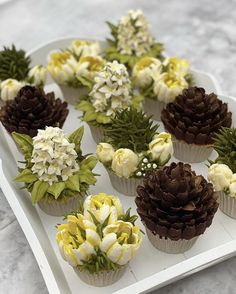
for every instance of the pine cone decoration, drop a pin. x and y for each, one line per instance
(176, 203)
(31, 110)
(195, 116)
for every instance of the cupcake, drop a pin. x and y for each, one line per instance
(132, 40)
(222, 171)
(73, 69)
(99, 240)
(55, 173)
(132, 148)
(175, 206)
(15, 72)
(160, 82)
(33, 109)
(193, 119)
(111, 91)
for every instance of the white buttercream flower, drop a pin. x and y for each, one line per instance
(85, 48)
(62, 66)
(180, 67)
(112, 88)
(9, 89)
(121, 241)
(101, 206)
(53, 156)
(220, 175)
(125, 162)
(167, 86)
(38, 75)
(77, 239)
(146, 70)
(88, 66)
(105, 152)
(161, 147)
(133, 34)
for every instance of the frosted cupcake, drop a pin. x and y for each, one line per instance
(132, 149)
(82, 48)
(132, 40)
(73, 71)
(55, 172)
(222, 171)
(99, 240)
(193, 119)
(160, 82)
(111, 91)
(176, 206)
(16, 72)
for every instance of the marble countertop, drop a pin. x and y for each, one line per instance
(202, 31)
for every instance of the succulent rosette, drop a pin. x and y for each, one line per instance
(56, 173)
(111, 91)
(99, 240)
(160, 82)
(194, 118)
(222, 171)
(176, 206)
(133, 148)
(132, 40)
(15, 72)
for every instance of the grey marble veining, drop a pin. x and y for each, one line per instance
(203, 31)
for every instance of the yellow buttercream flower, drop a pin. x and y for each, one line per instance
(161, 147)
(88, 66)
(180, 67)
(85, 48)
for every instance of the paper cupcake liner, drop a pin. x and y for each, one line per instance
(168, 245)
(72, 95)
(227, 204)
(101, 279)
(125, 186)
(153, 107)
(97, 133)
(60, 207)
(191, 153)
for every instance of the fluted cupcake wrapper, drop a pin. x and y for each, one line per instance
(101, 279)
(61, 207)
(227, 204)
(191, 153)
(125, 186)
(97, 133)
(153, 107)
(168, 245)
(73, 95)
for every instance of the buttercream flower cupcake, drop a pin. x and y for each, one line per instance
(99, 240)
(132, 40)
(83, 48)
(111, 91)
(159, 82)
(132, 148)
(15, 72)
(222, 171)
(193, 119)
(176, 206)
(55, 172)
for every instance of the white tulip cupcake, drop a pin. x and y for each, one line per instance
(133, 148)
(99, 240)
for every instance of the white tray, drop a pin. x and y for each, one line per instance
(151, 269)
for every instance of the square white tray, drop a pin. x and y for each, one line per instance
(151, 269)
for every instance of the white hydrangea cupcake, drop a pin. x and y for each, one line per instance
(159, 82)
(132, 149)
(111, 91)
(99, 240)
(55, 172)
(132, 40)
(222, 172)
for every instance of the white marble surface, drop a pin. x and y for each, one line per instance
(202, 31)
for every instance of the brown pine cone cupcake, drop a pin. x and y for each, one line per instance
(176, 206)
(193, 119)
(31, 110)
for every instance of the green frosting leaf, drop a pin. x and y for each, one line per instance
(73, 183)
(56, 189)
(86, 176)
(103, 118)
(76, 138)
(25, 144)
(26, 176)
(85, 105)
(39, 190)
(89, 162)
